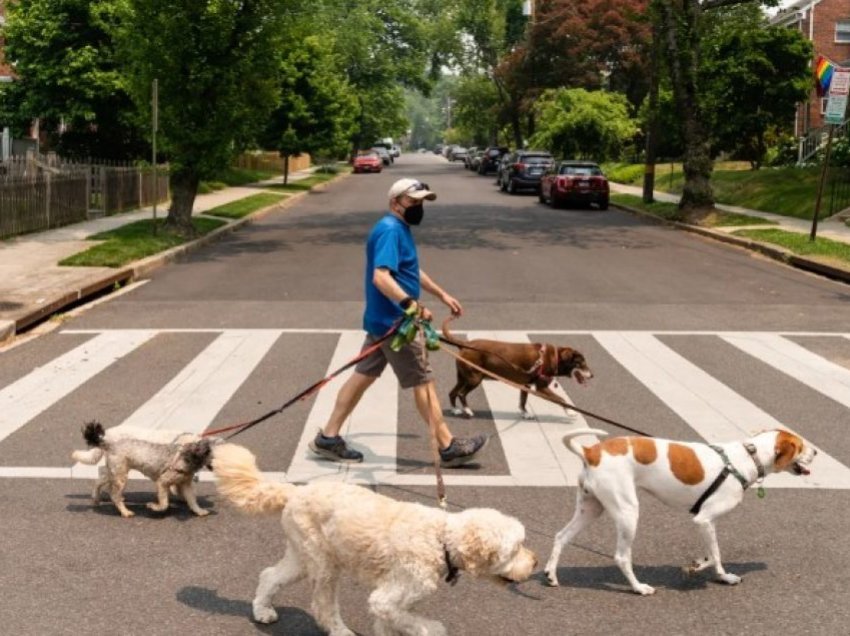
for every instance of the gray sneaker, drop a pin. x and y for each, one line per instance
(335, 449)
(462, 450)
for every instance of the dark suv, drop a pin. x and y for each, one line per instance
(490, 158)
(523, 169)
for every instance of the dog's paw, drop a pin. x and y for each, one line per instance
(157, 507)
(552, 578)
(644, 590)
(729, 579)
(528, 416)
(202, 513)
(264, 615)
(127, 514)
(434, 628)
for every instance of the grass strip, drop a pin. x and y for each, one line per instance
(800, 244)
(242, 207)
(135, 241)
(670, 212)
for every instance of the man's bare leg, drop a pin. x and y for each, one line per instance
(429, 408)
(347, 398)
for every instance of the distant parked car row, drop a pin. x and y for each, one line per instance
(374, 159)
(555, 182)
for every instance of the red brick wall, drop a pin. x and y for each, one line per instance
(826, 14)
(4, 68)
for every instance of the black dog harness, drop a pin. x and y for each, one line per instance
(729, 469)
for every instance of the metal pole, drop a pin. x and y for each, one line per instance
(154, 127)
(821, 184)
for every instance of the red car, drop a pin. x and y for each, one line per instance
(574, 182)
(368, 161)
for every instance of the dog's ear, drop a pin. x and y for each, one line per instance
(197, 454)
(787, 448)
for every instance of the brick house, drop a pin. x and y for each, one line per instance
(5, 71)
(826, 23)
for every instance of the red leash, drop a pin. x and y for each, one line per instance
(244, 426)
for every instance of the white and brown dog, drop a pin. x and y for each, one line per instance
(400, 550)
(171, 464)
(707, 480)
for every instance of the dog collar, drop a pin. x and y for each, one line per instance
(453, 573)
(751, 449)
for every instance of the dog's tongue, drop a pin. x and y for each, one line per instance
(802, 470)
(578, 377)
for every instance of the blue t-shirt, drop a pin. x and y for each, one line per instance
(390, 245)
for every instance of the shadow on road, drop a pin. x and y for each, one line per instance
(291, 619)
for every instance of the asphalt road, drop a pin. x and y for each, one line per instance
(585, 278)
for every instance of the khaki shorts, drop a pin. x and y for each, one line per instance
(410, 366)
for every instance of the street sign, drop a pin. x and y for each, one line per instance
(840, 84)
(836, 105)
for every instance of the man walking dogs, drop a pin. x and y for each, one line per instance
(393, 284)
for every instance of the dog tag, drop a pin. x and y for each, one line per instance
(760, 492)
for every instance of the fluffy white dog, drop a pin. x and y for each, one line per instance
(402, 550)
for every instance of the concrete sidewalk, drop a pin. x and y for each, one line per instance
(33, 285)
(833, 228)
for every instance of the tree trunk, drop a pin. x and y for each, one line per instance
(184, 188)
(652, 115)
(681, 25)
(285, 169)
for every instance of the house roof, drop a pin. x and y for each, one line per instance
(791, 13)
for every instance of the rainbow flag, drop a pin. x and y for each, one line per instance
(823, 75)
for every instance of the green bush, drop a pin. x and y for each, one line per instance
(841, 153)
(782, 153)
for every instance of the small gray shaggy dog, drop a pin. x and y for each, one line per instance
(172, 466)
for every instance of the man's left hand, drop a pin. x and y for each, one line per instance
(452, 303)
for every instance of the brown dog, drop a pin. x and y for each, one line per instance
(530, 364)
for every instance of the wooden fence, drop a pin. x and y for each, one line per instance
(271, 162)
(40, 200)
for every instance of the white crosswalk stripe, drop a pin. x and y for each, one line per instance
(533, 450)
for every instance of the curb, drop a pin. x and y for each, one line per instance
(138, 269)
(776, 253)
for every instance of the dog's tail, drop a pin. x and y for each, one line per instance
(241, 483)
(93, 433)
(448, 335)
(572, 444)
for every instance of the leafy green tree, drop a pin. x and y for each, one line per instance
(317, 108)
(217, 68)
(576, 123)
(476, 109)
(753, 79)
(67, 78)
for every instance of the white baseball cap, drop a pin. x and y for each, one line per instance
(413, 188)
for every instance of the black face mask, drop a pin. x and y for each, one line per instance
(413, 215)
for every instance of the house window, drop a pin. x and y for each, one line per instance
(823, 102)
(842, 31)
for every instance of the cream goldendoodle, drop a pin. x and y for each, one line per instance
(169, 458)
(401, 550)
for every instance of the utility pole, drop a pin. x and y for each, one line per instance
(154, 128)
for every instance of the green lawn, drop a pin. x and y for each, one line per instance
(786, 191)
(800, 243)
(242, 207)
(133, 242)
(670, 211)
(303, 184)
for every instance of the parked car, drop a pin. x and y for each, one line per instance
(490, 158)
(395, 151)
(469, 153)
(474, 160)
(458, 153)
(522, 169)
(574, 182)
(447, 150)
(384, 154)
(367, 161)
(438, 149)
